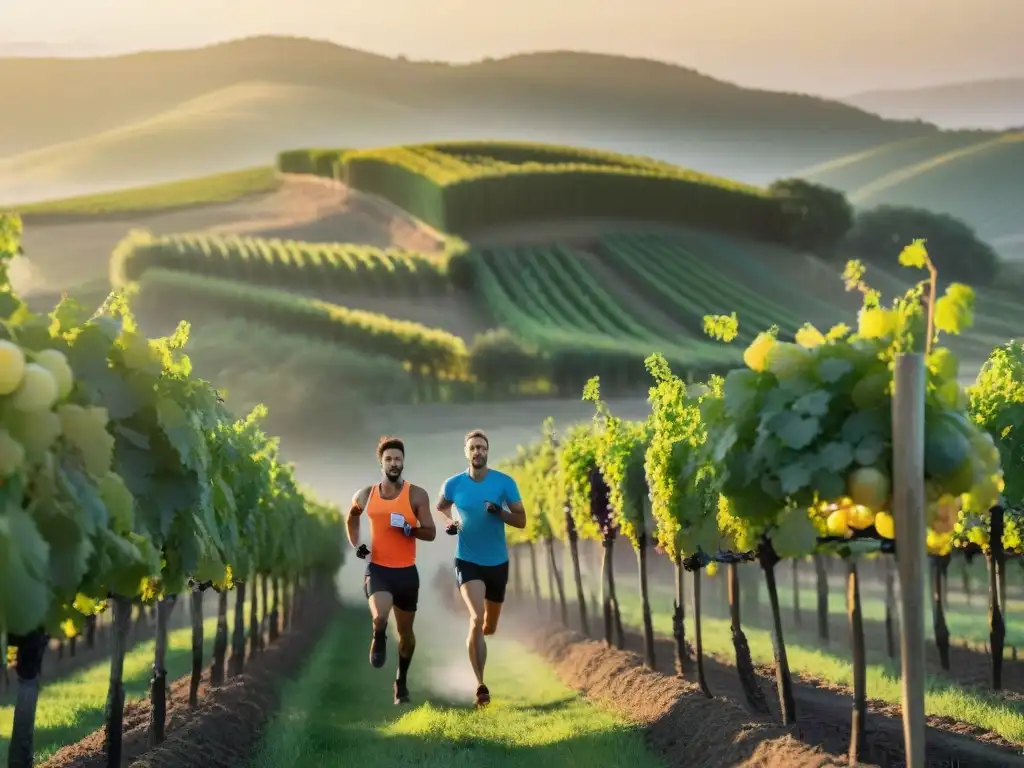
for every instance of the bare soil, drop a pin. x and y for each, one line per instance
(222, 730)
(684, 726)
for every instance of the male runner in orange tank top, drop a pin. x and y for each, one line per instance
(399, 514)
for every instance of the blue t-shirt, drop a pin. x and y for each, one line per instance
(482, 535)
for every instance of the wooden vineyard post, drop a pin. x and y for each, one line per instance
(908, 510)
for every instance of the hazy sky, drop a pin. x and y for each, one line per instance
(821, 46)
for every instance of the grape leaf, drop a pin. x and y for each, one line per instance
(835, 456)
(795, 535)
(813, 403)
(832, 369)
(829, 485)
(798, 431)
(793, 477)
(868, 450)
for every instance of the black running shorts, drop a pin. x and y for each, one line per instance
(402, 583)
(494, 577)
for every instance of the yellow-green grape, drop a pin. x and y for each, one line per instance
(84, 431)
(36, 431)
(12, 454)
(37, 390)
(838, 523)
(860, 517)
(885, 524)
(119, 501)
(756, 355)
(56, 363)
(12, 366)
(868, 487)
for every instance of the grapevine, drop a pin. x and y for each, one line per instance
(804, 437)
(122, 476)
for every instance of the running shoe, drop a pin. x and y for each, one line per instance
(483, 696)
(401, 693)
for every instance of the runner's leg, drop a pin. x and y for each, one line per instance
(473, 597)
(406, 647)
(380, 611)
(492, 612)
(406, 599)
(496, 582)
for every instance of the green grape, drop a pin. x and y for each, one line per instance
(119, 501)
(36, 431)
(37, 391)
(12, 366)
(12, 454)
(56, 362)
(83, 430)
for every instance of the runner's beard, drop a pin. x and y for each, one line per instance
(478, 462)
(393, 475)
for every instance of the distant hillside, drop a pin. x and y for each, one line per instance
(992, 104)
(974, 175)
(230, 102)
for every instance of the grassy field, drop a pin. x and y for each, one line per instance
(339, 712)
(218, 188)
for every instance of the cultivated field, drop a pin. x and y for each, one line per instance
(432, 289)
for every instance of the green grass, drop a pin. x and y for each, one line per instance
(219, 188)
(339, 712)
(72, 708)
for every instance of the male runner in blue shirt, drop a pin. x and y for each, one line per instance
(486, 501)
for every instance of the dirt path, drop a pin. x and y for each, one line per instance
(65, 252)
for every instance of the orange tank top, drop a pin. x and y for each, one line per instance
(389, 546)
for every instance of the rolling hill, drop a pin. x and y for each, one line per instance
(155, 116)
(974, 175)
(993, 104)
(572, 278)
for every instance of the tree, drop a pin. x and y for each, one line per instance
(818, 216)
(954, 247)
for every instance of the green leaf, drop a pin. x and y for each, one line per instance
(798, 432)
(829, 485)
(794, 477)
(836, 456)
(869, 450)
(832, 369)
(814, 403)
(795, 535)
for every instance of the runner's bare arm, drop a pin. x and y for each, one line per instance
(354, 513)
(516, 515)
(427, 531)
(444, 507)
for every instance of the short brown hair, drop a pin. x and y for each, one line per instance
(477, 433)
(386, 443)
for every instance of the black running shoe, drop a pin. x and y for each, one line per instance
(378, 649)
(401, 693)
(483, 696)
